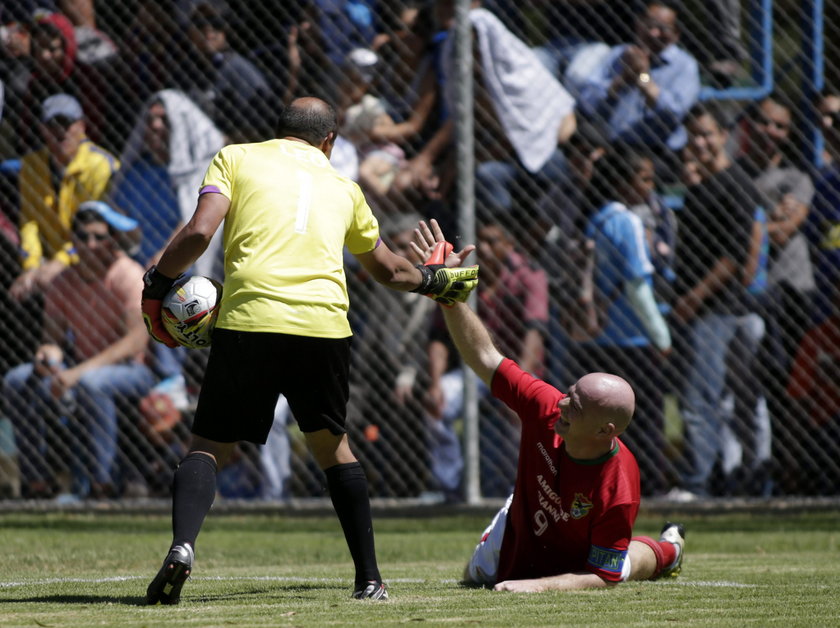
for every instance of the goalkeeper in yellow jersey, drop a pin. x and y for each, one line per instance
(282, 326)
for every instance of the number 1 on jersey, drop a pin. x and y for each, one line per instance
(304, 201)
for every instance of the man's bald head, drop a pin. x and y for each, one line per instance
(609, 398)
(309, 119)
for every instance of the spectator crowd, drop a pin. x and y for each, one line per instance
(623, 226)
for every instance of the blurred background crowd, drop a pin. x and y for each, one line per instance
(651, 199)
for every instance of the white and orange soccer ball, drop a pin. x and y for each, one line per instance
(190, 309)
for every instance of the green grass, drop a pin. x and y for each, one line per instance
(260, 570)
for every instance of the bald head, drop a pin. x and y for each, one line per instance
(309, 119)
(609, 398)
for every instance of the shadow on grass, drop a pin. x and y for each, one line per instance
(126, 600)
(303, 591)
(135, 600)
(287, 591)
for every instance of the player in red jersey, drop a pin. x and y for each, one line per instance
(568, 524)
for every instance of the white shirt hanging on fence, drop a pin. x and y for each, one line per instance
(530, 103)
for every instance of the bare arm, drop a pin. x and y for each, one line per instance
(50, 354)
(155, 258)
(568, 126)
(473, 341)
(723, 270)
(437, 144)
(294, 64)
(563, 582)
(398, 273)
(469, 334)
(132, 342)
(192, 240)
(438, 359)
(751, 266)
(386, 130)
(55, 326)
(80, 12)
(687, 305)
(531, 357)
(390, 269)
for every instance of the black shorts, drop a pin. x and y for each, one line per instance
(247, 371)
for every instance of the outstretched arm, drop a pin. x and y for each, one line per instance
(473, 341)
(442, 280)
(469, 334)
(563, 582)
(398, 273)
(390, 269)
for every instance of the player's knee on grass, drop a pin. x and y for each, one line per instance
(642, 561)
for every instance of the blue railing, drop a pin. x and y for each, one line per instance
(761, 57)
(813, 77)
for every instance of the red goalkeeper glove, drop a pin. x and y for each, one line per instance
(446, 285)
(155, 288)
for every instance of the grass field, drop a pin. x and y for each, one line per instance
(265, 570)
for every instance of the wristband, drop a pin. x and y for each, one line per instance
(427, 277)
(156, 285)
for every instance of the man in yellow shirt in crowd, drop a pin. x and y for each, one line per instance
(54, 181)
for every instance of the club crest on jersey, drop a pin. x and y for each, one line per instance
(580, 506)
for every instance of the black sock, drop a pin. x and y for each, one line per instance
(193, 492)
(349, 493)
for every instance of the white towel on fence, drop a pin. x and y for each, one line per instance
(530, 103)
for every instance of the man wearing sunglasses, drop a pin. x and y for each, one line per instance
(54, 181)
(92, 355)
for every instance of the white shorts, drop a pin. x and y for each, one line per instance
(484, 564)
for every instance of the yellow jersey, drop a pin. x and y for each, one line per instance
(291, 215)
(46, 212)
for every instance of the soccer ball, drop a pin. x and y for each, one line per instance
(190, 309)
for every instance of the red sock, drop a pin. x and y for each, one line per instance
(665, 552)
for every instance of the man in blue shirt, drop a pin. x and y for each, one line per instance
(644, 90)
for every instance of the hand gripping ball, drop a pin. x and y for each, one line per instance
(190, 309)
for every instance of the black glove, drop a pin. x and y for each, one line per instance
(155, 287)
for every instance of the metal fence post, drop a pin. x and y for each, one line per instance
(464, 146)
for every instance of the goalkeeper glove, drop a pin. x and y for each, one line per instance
(446, 285)
(155, 287)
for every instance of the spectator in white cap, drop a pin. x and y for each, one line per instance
(54, 181)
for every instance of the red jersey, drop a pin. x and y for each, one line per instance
(567, 515)
(813, 376)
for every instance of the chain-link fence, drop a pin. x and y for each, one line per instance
(656, 195)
